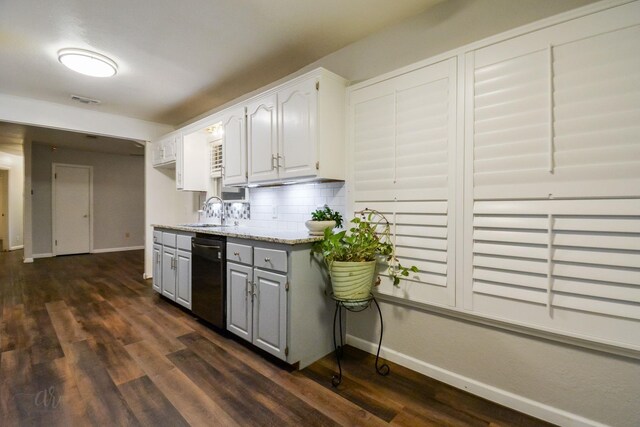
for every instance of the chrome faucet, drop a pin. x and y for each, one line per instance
(206, 204)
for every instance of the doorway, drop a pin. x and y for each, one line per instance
(4, 210)
(72, 209)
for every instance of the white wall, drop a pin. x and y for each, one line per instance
(118, 197)
(15, 165)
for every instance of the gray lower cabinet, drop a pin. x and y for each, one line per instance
(270, 312)
(172, 265)
(257, 307)
(169, 272)
(276, 299)
(183, 278)
(157, 268)
(239, 299)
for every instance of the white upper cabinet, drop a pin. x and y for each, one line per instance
(164, 151)
(262, 139)
(295, 132)
(297, 129)
(192, 163)
(234, 146)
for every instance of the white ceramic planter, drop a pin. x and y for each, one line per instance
(316, 228)
(352, 280)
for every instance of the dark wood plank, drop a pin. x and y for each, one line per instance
(103, 402)
(195, 405)
(149, 405)
(241, 406)
(105, 345)
(240, 379)
(45, 345)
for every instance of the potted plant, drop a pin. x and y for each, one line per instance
(323, 219)
(351, 256)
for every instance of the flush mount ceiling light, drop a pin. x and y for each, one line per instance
(87, 62)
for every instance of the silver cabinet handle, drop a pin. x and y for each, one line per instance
(278, 161)
(274, 162)
(247, 291)
(267, 259)
(236, 253)
(255, 286)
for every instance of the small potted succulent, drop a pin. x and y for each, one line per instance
(323, 219)
(351, 256)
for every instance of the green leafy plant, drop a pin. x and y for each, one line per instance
(327, 214)
(367, 240)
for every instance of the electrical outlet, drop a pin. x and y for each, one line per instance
(274, 212)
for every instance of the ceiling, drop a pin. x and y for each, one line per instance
(12, 135)
(177, 59)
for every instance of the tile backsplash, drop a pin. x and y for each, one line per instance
(232, 211)
(288, 207)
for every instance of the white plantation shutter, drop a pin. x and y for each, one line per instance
(420, 232)
(553, 123)
(557, 113)
(403, 165)
(215, 159)
(566, 265)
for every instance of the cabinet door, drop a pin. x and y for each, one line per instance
(170, 148)
(239, 295)
(157, 268)
(270, 312)
(234, 147)
(180, 164)
(169, 273)
(262, 139)
(156, 153)
(297, 130)
(183, 278)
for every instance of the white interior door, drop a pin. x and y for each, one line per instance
(71, 209)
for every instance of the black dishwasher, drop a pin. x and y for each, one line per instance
(208, 279)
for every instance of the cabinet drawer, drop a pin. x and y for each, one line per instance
(157, 237)
(240, 253)
(272, 259)
(184, 243)
(169, 239)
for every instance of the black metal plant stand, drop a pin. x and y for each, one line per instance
(354, 306)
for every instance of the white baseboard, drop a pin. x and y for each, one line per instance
(42, 255)
(15, 248)
(126, 248)
(27, 260)
(494, 394)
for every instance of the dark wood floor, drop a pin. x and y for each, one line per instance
(85, 341)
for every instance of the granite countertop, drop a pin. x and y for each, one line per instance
(244, 232)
